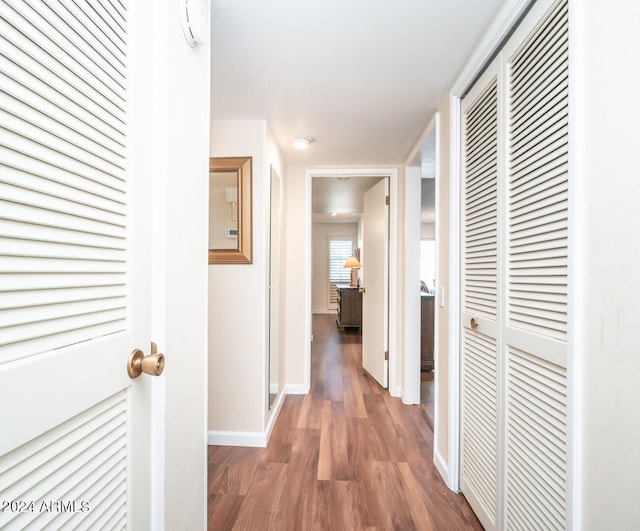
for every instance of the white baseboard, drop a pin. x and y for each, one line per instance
(397, 392)
(443, 469)
(237, 438)
(254, 439)
(275, 411)
(325, 312)
(299, 389)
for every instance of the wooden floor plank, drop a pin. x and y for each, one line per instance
(346, 457)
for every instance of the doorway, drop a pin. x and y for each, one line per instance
(427, 304)
(421, 272)
(323, 178)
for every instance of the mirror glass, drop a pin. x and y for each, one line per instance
(230, 210)
(274, 287)
(223, 210)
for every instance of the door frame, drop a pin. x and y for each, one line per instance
(181, 147)
(412, 304)
(392, 173)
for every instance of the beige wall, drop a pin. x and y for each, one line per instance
(238, 300)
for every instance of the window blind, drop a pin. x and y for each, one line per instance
(339, 251)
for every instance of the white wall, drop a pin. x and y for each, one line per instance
(238, 303)
(320, 260)
(605, 174)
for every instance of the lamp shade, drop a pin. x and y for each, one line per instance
(352, 263)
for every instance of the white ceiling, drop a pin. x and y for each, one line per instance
(339, 199)
(363, 77)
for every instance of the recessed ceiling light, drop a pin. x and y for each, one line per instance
(303, 142)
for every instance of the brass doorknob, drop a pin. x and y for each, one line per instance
(152, 364)
(473, 324)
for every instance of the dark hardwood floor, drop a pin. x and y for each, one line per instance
(347, 456)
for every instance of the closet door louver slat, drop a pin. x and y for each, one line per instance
(81, 464)
(538, 187)
(63, 157)
(480, 238)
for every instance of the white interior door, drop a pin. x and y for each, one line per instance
(375, 281)
(74, 266)
(481, 369)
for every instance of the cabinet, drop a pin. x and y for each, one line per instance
(426, 332)
(349, 306)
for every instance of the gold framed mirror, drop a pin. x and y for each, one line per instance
(230, 220)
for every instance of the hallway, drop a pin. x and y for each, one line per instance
(346, 456)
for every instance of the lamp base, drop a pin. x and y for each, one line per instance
(353, 278)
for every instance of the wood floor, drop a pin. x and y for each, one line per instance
(347, 456)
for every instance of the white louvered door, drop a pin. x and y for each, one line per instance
(514, 283)
(74, 265)
(481, 372)
(535, 347)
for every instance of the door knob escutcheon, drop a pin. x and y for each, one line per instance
(138, 363)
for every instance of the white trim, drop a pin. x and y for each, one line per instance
(323, 312)
(392, 174)
(274, 412)
(308, 281)
(441, 465)
(296, 390)
(508, 17)
(412, 206)
(253, 439)
(412, 197)
(436, 320)
(575, 297)
(453, 477)
(392, 345)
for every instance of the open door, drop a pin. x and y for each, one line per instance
(375, 286)
(75, 266)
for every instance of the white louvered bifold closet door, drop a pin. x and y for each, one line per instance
(480, 430)
(536, 316)
(514, 280)
(72, 302)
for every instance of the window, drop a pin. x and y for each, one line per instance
(339, 251)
